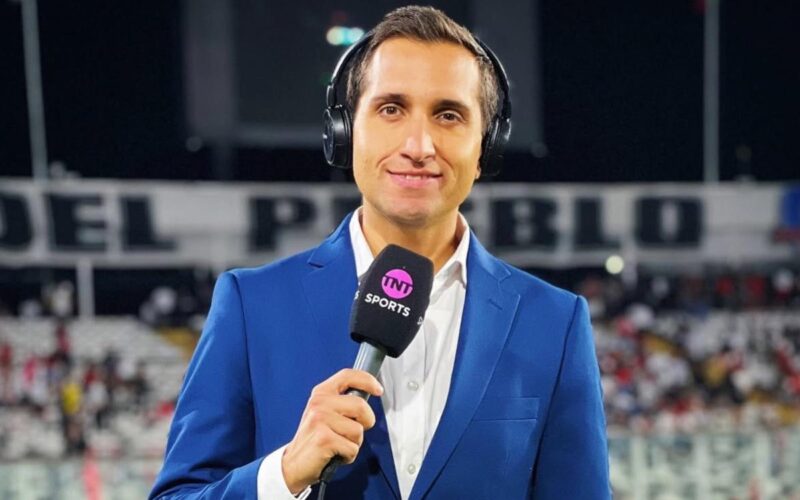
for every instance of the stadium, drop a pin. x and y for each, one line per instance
(146, 148)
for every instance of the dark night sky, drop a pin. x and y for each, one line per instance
(622, 94)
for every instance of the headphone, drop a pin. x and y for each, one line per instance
(337, 137)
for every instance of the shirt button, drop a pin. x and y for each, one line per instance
(413, 385)
(411, 468)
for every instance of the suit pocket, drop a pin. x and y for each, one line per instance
(503, 408)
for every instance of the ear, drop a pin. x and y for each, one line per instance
(478, 173)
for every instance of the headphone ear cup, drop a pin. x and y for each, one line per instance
(494, 145)
(487, 150)
(336, 138)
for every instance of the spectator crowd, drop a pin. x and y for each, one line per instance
(79, 396)
(677, 353)
(696, 352)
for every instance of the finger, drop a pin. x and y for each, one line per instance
(361, 380)
(348, 406)
(336, 444)
(349, 378)
(347, 428)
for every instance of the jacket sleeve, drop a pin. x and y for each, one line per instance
(573, 455)
(211, 445)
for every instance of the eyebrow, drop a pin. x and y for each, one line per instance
(402, 99)
(389, 97)
(453, 104)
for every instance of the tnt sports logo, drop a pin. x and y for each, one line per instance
(397, 284)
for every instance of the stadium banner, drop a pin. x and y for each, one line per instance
(221, 225)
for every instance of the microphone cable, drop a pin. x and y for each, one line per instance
(327, 475)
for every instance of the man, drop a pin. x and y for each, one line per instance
(498, 395)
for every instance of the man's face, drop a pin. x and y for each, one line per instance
(417, 131)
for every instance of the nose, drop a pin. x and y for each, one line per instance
(418, 146)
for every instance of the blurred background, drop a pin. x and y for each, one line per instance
(145, 147)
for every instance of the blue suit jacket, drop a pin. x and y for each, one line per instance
(524, 416)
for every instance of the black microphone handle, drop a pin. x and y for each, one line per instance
(369, 359)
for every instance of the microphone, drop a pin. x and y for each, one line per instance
(387, 312)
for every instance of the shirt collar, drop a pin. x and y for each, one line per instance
(455, 266)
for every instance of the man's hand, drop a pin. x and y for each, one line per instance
(333, 423)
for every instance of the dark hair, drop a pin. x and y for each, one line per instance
(425, 24)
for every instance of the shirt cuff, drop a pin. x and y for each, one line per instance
(270, 484)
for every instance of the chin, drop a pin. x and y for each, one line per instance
(408, 216)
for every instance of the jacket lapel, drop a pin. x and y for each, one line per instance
(489, 311)
(377, 439)
(330, 287)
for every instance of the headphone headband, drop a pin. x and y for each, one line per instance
(500, 72)
(337, 138)
(341, 65)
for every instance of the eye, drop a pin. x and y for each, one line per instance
(450, 116)
(389, 110)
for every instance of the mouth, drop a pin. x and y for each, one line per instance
(415, 180)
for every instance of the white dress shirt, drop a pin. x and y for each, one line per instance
(415, 384)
